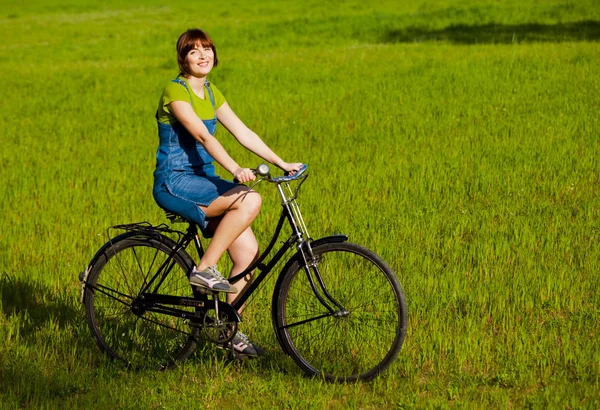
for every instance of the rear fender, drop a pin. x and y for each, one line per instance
(83, 276)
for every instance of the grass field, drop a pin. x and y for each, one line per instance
(457, 139)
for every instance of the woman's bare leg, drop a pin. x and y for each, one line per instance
(243, 251)
(237, 208)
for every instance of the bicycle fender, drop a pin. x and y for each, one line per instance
(83, 276)
(296, 259)
(332, 238)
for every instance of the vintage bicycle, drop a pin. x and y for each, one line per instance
(338, 310)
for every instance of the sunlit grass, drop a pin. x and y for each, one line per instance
(472, 169)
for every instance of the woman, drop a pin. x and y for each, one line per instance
(185, 181)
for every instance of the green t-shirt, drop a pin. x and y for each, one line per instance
(177, 92)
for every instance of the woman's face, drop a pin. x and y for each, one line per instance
(200, 61)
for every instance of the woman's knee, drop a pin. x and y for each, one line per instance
(251, 202)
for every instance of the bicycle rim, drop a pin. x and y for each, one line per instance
(343, 347)
(141, 339)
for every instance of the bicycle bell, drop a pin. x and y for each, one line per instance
(262, 170)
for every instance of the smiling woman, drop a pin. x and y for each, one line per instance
(193, 44)
(185, 181)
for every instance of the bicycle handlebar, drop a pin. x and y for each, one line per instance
(264, 171)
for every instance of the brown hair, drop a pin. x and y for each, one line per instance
(187, 41)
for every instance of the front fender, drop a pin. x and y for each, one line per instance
(332, 238)
(317, 242)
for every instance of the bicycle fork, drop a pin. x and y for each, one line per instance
(310, 262)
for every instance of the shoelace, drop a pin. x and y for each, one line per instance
(244, 338)
(216, 273)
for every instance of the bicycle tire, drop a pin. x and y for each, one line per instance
(358, 346)
(117, 274)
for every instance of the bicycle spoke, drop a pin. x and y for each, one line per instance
(355, 343)
(314, 331)
(371, 303)
(124, 275)
(379, 330)
(145, 274)
(103, 290)
(302, 322)
(130, 330)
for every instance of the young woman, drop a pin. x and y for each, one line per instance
(185, 181)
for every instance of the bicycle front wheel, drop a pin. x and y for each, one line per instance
(123, 327)
(361, 332)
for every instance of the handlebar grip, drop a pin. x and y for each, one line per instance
(263, 171)
(287, 178)
(301, 170)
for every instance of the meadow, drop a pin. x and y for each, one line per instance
(457, 139)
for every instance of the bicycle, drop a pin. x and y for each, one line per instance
(337, 308)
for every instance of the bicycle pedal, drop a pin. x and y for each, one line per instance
(229, 347)
(236, 356)
(224, 346)
(203, 290)
(240, 357)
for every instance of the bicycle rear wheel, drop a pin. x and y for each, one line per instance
(123, 330)
(363, 335)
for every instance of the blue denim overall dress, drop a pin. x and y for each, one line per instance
(185, 175)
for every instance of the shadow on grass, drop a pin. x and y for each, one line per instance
(37, 311)
(37, 305)
(209, 357)
(588, 30)
(45, 329)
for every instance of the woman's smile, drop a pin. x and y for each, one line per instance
(200, 60)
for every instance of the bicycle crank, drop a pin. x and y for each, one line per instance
(218, 325)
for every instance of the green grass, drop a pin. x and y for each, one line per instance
(459, 140)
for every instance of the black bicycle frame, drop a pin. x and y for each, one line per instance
(150, 296)
(258, 264)
(264, 270)
(150, 300)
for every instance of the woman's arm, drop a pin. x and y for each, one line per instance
(250, 140)
(185, 114)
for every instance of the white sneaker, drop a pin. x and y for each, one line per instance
(212, 279)
(242, 345)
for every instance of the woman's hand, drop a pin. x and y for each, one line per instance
(291, 167)
(243, 175)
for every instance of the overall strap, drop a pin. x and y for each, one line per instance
(181, 82)
(178, 81)
(210, 95)
(207, 85)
